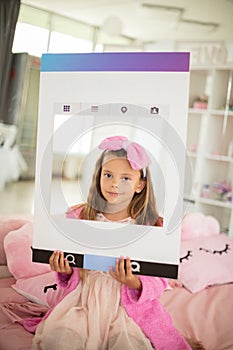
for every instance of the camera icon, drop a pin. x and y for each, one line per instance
(154, 110)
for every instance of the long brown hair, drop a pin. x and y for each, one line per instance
(142, 207)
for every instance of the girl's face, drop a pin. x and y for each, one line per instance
(119, 182)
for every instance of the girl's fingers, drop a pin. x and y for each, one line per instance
(122, 266)
(67, 266)
(112, 273)
(117, 267)
(128, 267)
(61, 261)
(51, 260)
(56, 261)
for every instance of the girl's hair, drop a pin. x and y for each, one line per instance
(142, 207)
(83, 274)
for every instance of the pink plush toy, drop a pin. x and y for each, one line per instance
(34, 281)
(17, 245)
(197, 225)
(7, 225)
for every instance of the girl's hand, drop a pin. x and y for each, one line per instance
(59, 264)
(125, 276)
(173, 283)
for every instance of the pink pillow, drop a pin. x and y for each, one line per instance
(206, 261)
(196, 225)
(17, 245)
(7, 225)
(41, 289)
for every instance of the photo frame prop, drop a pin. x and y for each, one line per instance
(85, 98)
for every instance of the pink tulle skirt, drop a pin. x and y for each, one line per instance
(91, 318)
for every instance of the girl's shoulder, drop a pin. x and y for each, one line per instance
(159, 222)
(75, 212)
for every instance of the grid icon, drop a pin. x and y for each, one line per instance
(66, 108)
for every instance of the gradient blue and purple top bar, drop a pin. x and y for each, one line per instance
(116, 61)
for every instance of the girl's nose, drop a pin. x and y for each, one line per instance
(115, 184)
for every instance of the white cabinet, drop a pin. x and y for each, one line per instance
(210, 141)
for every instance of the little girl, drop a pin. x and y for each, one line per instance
(116, 310)
(121, 188)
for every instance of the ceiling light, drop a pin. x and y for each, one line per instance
(212, 25)
(152, 6)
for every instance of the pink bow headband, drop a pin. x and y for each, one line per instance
(136, 154)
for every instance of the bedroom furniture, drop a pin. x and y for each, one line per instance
(209, 140)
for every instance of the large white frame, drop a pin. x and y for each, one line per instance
(138, 81)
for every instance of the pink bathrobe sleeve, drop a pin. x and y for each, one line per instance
(151, 316)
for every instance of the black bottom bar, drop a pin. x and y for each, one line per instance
(139, 267)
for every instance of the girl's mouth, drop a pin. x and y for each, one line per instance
(114, 194)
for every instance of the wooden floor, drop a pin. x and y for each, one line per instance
(18, 197)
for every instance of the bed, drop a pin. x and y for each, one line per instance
(202, 309)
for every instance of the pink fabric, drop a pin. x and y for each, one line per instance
(16, 312)
(17, 244)
(195, 225)
(145, 309)
(12, 334)
(64, 281)
(74, 212)
(7, 225)
(7, 294)
(6, 282)
(41, 289)
(206, 261)
(151, 316)
(15, 337)
(206, 315)
(4, 272)
(136, 154)
(110, 328)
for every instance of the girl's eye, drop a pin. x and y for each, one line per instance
(186, 256)
(126, 178)
(107, 175)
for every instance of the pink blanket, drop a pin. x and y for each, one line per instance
(14, 308)
(206, 315)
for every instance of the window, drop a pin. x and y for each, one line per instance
(31, 39)
(66, 43)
